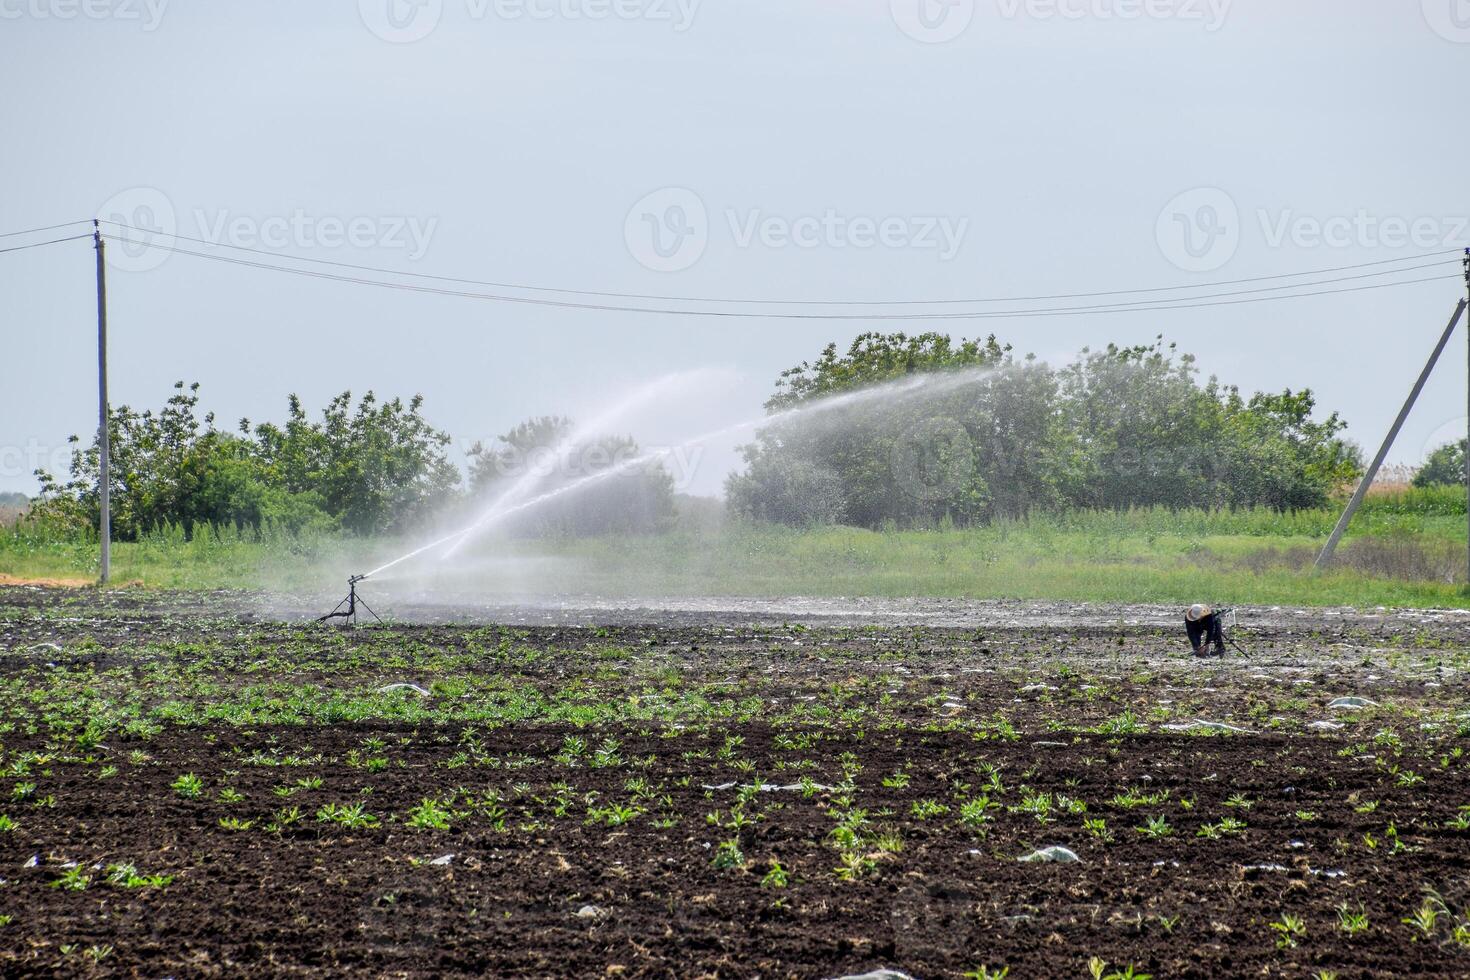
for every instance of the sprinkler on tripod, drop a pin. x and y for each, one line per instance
(347, 608)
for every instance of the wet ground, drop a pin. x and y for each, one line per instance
(207, 785)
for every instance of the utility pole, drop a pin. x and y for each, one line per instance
(1398, 423)
(104, 435)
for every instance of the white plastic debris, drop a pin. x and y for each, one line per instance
(591, 912)
(1201, 724)
(883, 974)
(443, 859)
(1325, 726)
(1058, 855)
(770, 787)
(403, 687)
(1351, 704)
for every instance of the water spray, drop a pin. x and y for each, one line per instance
(499, 512)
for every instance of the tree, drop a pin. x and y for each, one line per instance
(543, 455)
(903, 458)
(380, 469)
(1117, 428)
(1444, 467)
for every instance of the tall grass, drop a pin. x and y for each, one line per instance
(1404, 548)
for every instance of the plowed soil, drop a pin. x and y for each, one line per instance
(724, 800)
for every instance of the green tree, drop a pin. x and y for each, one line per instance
(1444, 467)
(1117, 428)
(960, 452)
(379, 469)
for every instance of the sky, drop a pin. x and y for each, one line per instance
(799, 150)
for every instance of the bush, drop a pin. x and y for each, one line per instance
(1117, 429)
(1444, 467)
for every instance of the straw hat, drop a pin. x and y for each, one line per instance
(1197, 612)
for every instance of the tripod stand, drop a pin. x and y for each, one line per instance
(1226, 637)
(347, 608)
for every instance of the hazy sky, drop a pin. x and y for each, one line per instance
(785, 149)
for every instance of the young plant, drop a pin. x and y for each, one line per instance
(429, 815)
(1424, 920)
(986, 973)
(1290, 930)
(353, 816)
(1350, 922)
(1228, 825)
(1155, 828)
(189, 786)
(729, 855)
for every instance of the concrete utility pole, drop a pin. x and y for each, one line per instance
(1398, 423)
(104, 434)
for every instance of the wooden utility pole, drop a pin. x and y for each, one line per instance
(104, 434)
(1398, 423)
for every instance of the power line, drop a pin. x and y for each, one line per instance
(655, 297)
(32, 231)
(54, 241)
(1139, 307)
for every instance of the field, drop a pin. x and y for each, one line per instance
(206, 785)
(1405, 548)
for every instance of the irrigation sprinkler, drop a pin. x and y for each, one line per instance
(347, 608)
(1228, 622)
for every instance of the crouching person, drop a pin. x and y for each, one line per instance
(1205, 632)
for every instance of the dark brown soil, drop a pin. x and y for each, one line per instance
(1364, 817)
